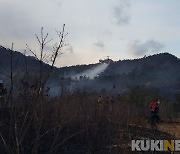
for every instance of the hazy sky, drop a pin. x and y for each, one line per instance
(121, 29)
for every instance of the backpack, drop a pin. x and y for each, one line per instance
(153, 106)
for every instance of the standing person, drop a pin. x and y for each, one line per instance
(99, 106)
(100, 100)
(154, 109)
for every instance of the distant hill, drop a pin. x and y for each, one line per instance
(18, 59)
(20, 63)
(159, 71)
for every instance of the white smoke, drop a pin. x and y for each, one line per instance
(91, 73)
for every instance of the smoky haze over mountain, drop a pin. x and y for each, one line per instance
(159, 71)
(91, 73)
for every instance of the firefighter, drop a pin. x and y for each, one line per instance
(100, 100)
(99, 107)
(154, 109)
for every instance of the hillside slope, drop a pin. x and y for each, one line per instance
(21, 64)
(160, 71)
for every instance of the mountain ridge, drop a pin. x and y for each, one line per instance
(157, 71)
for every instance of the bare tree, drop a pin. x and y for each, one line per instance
(44, 57)
(33, 115)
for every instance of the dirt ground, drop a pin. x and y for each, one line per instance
(171, 127)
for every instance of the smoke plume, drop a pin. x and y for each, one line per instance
(91, 73)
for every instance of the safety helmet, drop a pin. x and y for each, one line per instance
(1, 81)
